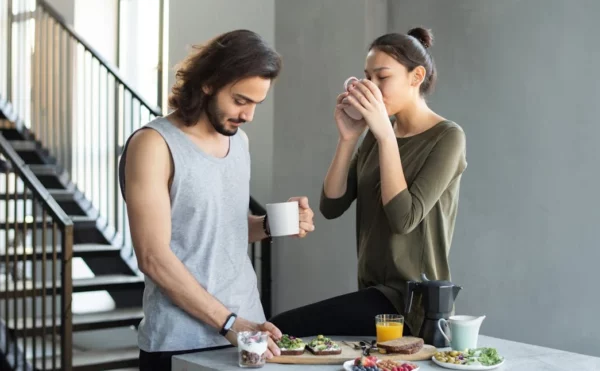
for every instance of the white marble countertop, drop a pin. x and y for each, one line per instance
(518, 356)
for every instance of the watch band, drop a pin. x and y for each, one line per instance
(228, 324)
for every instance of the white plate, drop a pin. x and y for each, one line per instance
(348, 365)
(465, 367)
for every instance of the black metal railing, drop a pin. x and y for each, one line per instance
(36, 255)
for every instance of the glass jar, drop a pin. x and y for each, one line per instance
(252, 348)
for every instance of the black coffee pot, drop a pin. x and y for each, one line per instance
(438, 301)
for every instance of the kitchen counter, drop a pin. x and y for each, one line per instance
(518, 356)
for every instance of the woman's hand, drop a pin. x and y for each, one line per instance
(349, 128)
(367, 99)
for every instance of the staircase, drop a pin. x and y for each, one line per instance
(71, 293)
(91, 243)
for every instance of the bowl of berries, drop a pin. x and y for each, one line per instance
(371, 363)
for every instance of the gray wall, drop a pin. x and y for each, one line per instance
(521, 78)
(194, 22)
(66, 8)
(322, 43)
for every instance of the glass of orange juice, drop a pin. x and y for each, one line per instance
(389, 327)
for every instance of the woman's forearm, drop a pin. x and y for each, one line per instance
(337, 175)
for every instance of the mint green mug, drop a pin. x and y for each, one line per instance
(464, 331)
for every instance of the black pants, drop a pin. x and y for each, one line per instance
(346, 315)
(161, 361)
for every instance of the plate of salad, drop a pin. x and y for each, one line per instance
(470, 359)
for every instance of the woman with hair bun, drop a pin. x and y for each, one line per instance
(405, 178)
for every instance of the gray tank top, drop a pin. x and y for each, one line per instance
(209, 223)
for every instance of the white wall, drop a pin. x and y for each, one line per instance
(96, 22)
(196, 21)
(521, 78)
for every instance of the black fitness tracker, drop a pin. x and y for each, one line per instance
(228, 324)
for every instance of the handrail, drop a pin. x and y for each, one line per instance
(106, 64)
(33, 183)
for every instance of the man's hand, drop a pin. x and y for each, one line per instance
(306, 215)
(242, 324)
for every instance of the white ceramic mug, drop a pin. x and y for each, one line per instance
(350, 110)
(284, 218)
(464, 331)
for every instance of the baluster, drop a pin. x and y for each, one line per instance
(7, 175)
(34, 232)
(44, 289)
(15, 266)
(54, 292)
(24, 315)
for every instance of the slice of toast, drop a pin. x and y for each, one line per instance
(404, 345)
(322, 346)
(291, 346)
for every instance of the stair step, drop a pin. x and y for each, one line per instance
(30, 151)
(10, 133)
(43, 169)
(86, 250)
(81, 322)
(57, 194)
(106, 282)
(83, 221)
(98, 360)
(24, 145)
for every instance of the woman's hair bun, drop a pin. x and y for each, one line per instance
(425, 36)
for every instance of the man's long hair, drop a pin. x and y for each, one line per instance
(226, 59)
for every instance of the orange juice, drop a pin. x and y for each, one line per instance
(389, 331)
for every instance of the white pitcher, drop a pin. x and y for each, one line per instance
(464, 331)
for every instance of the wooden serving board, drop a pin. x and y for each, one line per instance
(349, 353)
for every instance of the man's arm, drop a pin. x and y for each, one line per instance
(147, 173)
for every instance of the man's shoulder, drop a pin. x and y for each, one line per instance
(146, 138)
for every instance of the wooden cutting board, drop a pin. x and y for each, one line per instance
(349, 353)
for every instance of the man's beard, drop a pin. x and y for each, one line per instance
(218, 120)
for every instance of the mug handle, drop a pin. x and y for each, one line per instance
(441, 330)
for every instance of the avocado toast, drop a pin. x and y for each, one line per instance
(322, 346)
(291, 346)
